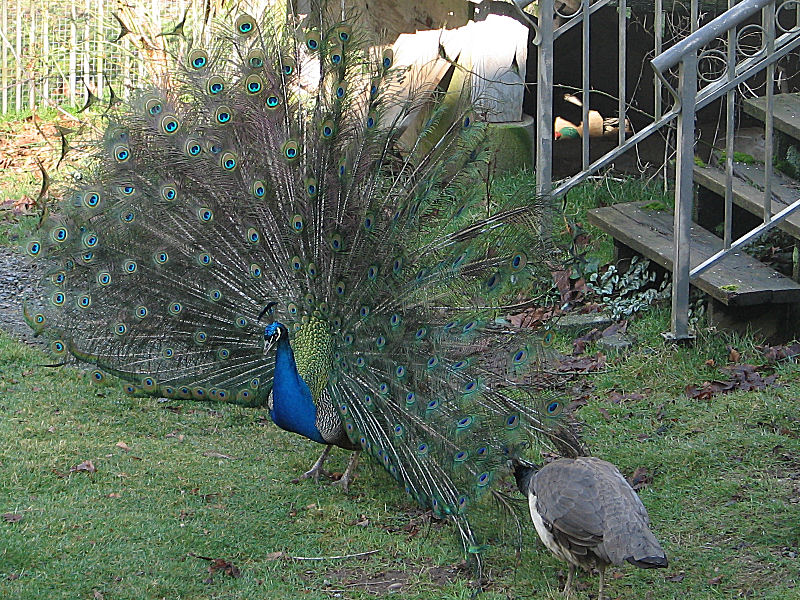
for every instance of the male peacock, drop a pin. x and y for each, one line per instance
(264, 185)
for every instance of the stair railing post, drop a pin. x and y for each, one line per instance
(684, 192)
(544, 111)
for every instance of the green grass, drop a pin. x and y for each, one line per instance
(723, 499)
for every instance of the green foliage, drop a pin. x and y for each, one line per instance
(741, 157)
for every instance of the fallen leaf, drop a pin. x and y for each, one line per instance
(12, 517)
(98, 595)
(711, 363)
(274, 555)
(734, 355)
(715, 580)
(640, 478)
(87, 466)
(114, 495)
(677, 578)
(604, 412)
(123, 446)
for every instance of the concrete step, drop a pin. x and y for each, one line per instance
(785, 113)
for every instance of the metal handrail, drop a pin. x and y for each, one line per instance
(684, 54)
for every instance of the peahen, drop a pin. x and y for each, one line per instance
(254, 232)
(587, 514)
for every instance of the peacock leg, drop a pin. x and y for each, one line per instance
(568, 586)
(602, 582)
(349, 472)
(316, 469)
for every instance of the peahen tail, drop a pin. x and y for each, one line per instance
(267, 176)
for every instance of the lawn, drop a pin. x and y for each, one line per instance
(108, 496)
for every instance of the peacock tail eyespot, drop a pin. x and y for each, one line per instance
(553, 408)
(461, 456)
(395, 320)
(421, 333)
(311, 187)
(154, 106)
(58, 278)
(223, 115)
(253, 236)
(432, 405)
(130, 266)
(484, 479)
(387, 58)
(255, 382)
(291, 150)
(343, 32)
(372, 120)
(411, 399)
(380, 341)
(127, 190)
(58, 347)
(254, 84)
(369, 222)
(91, 199)
(259, 189)
(328, 129)
(127, 217)
(175, 308)
(383, 389)
(198, 59)
(433, 362)
(460, 365)
(297, 223)
(200, 337)
(193, 148)
(241, 322)
(372, 272)
(464, 422)
(255, 59)
(58, 298)
(140, 312)
(422, 449)
(520, 356)
(90, 240)
(84, 301)
(336, 57)
(34, 248)
(149, 384)
(39, 319)
(204, 259)
(292, 308)
(214, 295)
(483, 452)
(361, 362)
(168, 353)
(169, 193)
(122, 153)
(313, 40)
(228, 161)
(311, 269)
(255, 271)
(120, 329)
(161, 257)
(98, 376)
(205, 214)
(244, 25)
(59, 234)
(88, 257)
(548, 338)
(215, 85)
(104, 278)
(170, 124)
(400, 372)
(364, 312)
(223, 353)
(512, 422)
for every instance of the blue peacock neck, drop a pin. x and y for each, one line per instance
(293, 407)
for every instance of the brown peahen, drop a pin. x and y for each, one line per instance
(253, 233)
(587, 514)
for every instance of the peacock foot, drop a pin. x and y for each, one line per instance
(349, 473)
(316, 469)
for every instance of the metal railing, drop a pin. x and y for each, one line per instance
(740, 64)
(698, 82)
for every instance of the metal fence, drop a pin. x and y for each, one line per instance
(712, 61)
(54, 52)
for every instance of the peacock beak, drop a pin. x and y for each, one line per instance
(271, 340)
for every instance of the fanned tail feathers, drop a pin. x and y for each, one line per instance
(267, 173)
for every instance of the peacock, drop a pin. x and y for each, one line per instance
(286, 223)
